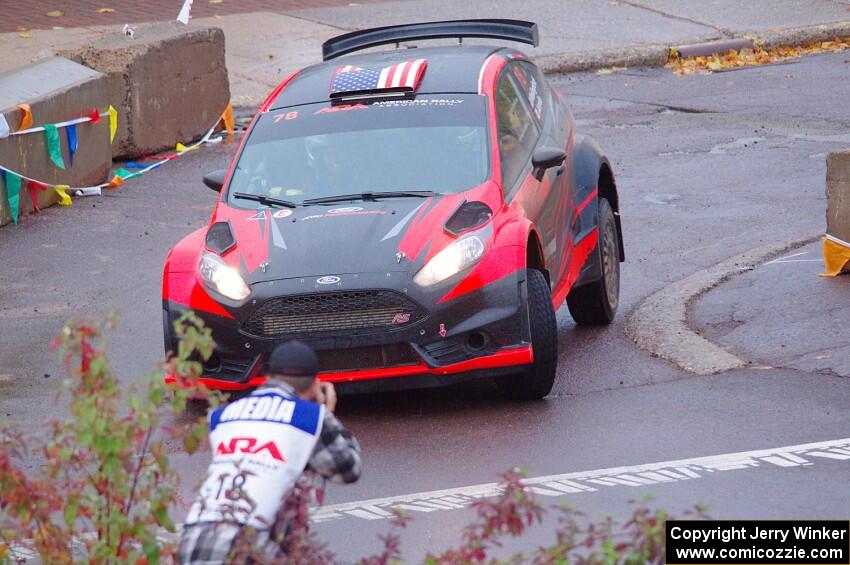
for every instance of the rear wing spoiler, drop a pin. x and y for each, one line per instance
(512, 30)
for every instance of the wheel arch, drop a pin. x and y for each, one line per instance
(534, 258)
(593, 171)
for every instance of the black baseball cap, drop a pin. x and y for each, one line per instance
(295, 359)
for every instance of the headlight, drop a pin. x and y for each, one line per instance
(223, 278)
(458, 256)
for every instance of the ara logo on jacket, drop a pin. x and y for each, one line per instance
(329, 279)
(249, 446)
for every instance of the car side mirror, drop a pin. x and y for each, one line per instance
(545, 158)
(215, 179)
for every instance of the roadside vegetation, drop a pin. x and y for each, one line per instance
(97, 487)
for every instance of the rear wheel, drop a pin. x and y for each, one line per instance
(537, 380)
(596, 303)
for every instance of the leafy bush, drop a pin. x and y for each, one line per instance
(102, 483)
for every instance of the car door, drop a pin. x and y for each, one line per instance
(524, 107)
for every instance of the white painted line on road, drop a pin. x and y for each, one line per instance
(558, 485)
(581, 481)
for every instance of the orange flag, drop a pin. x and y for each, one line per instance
(227, 118)
(26, 116)
(115, 182)
(836, 256)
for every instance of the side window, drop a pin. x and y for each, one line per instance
(533, 86)
(516, 128)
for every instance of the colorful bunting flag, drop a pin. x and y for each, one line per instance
(183, 16)
(227, 118)
(836, 256)
(64, 199)
(26, 116)
(13, 191)
(125, 174)
(113, 122)
(71, 134)
(51, 134)
(182, 148)
(34, 186)
(4, 127)
(13, 180)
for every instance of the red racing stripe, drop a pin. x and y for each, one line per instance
(586, 202)
(578, 259)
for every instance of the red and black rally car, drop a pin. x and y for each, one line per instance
(416, 215)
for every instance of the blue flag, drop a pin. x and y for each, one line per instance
(71, 132)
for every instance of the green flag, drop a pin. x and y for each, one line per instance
(53, 147)
(13, 190)
(125, 174)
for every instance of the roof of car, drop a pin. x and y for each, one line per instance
(450, 69)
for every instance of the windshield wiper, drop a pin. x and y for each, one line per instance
(267, 200)
(372, 196)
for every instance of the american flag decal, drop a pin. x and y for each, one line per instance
(401, 77)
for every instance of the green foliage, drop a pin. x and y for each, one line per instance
(103, 486)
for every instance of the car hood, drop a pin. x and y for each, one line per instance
(389, 235)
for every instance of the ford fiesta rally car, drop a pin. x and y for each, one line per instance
(416, 215)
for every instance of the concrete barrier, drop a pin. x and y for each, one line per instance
(838, 194)
(169, 83)
(57, 89)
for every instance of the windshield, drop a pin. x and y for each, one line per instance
(436, 143)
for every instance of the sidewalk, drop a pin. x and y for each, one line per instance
(264, 47)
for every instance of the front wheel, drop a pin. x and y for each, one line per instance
(537, 380)
(595, 303)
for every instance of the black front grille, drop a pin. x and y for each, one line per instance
(369, 357)
(349, 311)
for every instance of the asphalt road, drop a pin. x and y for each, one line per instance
(708, 167)
(808, 333)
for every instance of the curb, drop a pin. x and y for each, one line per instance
(659, 324)
(796, 36)
(656, 55)
(651, 55)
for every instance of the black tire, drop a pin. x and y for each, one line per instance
(537, 380)
(595, 304)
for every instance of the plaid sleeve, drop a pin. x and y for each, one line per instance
(337, 453)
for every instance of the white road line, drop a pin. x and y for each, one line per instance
(560, 485)
(581, 481)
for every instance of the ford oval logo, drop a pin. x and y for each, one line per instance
(330, 279)
(346, 210)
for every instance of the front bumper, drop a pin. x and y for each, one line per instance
(484, 332)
